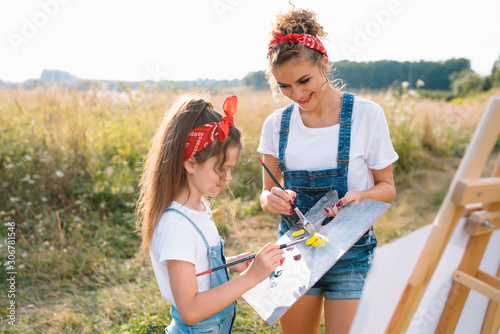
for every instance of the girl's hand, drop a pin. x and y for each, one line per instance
(353, 196)
(279, 201)
(266, 260)
(239, 267)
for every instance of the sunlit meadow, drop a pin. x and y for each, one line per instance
(69, 167)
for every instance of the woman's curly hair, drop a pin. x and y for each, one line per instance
(295, 21)
(298, 21)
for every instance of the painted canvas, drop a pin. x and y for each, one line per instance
(305, 265)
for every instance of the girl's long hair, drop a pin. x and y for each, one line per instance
(164, 173)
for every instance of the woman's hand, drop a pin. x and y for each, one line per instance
(278, 201)
(353, 196)
(273, 199)
(383, 191)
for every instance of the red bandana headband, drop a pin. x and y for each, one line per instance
(310, 41)
(206, 134)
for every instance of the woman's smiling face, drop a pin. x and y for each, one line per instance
(301, 82)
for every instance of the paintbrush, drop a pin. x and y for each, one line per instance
(249, 257)
(307, 224)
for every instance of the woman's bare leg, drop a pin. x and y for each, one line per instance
(304, 316)
(339, 314)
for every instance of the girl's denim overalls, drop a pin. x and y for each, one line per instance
(221, 322)
(346, 278)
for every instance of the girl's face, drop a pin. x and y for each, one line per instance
(206, 177)
(301, 82)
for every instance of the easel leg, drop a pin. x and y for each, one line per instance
(458, 293)
(492, 319)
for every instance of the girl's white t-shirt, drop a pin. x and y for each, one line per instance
(175, 238)
(316, 148)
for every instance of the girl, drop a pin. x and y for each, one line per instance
(326, 139)
(192, 155)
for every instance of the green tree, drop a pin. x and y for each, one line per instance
(256, 80)
(466, 82)
(495, 73)
(382, 74)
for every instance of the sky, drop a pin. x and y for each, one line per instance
(226, 39)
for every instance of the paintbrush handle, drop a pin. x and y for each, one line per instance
(243, 259)
(309, 227)
(246, 258)
(274, 179)
(270, 174)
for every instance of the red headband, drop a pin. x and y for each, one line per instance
(310, 41)
(206, 134)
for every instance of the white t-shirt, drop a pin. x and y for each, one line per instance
(175, 238)
(316, 148)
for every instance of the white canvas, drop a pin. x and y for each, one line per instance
(392, 267)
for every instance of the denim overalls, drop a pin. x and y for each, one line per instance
(346, 278)
(221, 322)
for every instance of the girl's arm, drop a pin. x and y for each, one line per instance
(272, 199)
(194, 306)
(239, 267)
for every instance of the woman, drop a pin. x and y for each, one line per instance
(325, 139)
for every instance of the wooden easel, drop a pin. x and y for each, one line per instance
(477, 198)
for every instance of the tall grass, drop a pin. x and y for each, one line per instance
(69, 166)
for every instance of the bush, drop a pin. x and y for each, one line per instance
(466, 82)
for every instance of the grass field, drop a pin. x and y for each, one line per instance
(69, 166)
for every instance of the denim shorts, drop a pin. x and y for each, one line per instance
(345, 280)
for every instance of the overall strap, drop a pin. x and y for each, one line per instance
(345, 131)
(194, 225)
(284, 130)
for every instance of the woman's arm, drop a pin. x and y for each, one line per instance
(383, 189)
(272, 199)
(194, 306)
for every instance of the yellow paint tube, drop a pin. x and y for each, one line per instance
(298, 233)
